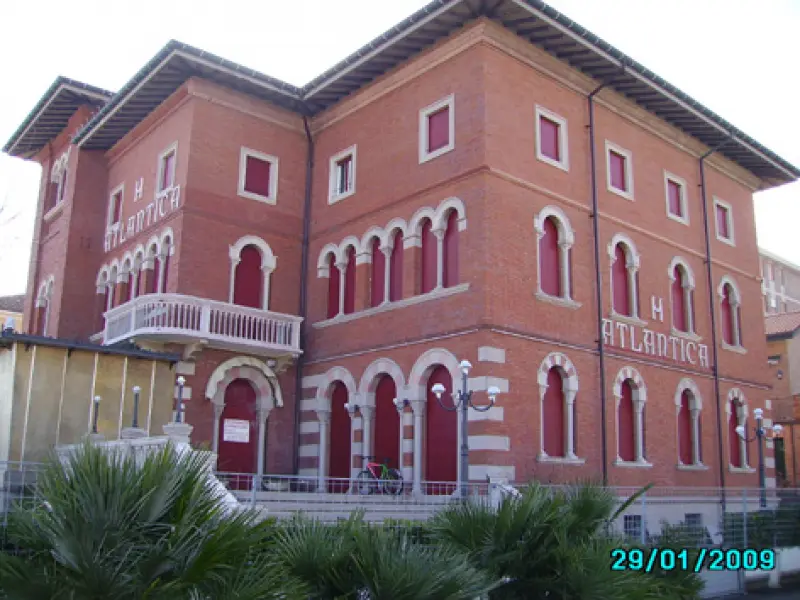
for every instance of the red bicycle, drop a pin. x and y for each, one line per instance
(378, 477)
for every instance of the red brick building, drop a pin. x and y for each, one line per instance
(486, 182)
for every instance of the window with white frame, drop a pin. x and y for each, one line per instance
(551, 138)
(258, 176)
(625, 262)
(675, 190)
(342, 175)
(632, 525)
(166, 168)
(115, 206)
(437, 129)
(723, 219)
(555, 240)
(619, 170)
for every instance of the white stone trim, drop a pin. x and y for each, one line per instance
(695, 411)
(485, 472)
(120, 189)
(570, 386)
(731, 240)
(185, 368)
(308, 404)
(308, 450)
(216, 395)
(500, 443)
(333, 175)
(627, 193)
(563, 138)
(447, 102)
(639, 398)
(160, 167)
(495, 413)
(632, 264)
(307, 472)
(269, 262)
(566, 239)
(418, 379)
(313, 381)
(273, 161)
(330, 377)
(370, 378)
(309, 426)
(688, 286)
(481, 383)
(736, 303)
(736, 395)
(681, 183)
(187, 392)
(492, 355)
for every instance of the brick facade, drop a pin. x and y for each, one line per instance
(488, 193)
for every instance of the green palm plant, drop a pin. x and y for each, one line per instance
(112, 527)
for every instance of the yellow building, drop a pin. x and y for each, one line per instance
(11, 307)
(48, 389)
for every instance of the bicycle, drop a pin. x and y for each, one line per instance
(379, 477)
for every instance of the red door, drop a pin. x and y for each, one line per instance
(387, 424)
(441, 436)
(339, 465)
(238, 433)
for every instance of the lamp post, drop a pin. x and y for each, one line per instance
(136, 391)
(96, 413)
(760, 433)
(462, 401)
(181, 382)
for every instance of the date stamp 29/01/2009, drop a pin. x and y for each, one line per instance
(649, 560)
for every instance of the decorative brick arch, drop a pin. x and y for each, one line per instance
(102, 278)
(737, 295)
(737, 396)
(369, 380)
(332, 376)
(44, 292)
(688, 384)
(139, 255)
(263, 379)
(564, 365)
(126, 266)
(639, 387)
(113, 270)
(151, 243)
(268, 259)
(566, 235)
(366, 242)
(415, 223)
(443, 211)
(631, 254)
(387, 236)
(323, 268)
(167, 241)
(426, 363)
(680, 261)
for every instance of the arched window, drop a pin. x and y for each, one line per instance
(626, 427)
(450, 250)
(247, 286)
(737, 415)
(429, 257)
(624, 277)
(112, 289)
(631, 396)
(149, 274)
(682, 296)
(377, 274)
(554, 438)
(350, 281)
(396, 267)
(730, 317)
(558, 386)
(555, 240)
(42, 306)
(334, 284)
(163, 267)
(121, 294)
(689, 406)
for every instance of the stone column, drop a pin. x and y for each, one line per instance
(695, 412)
(342, 284)
(262, 414)
(542, 392)
(418, 407)
(401, 410)
(439, 235)
(638, 427)
(324, 417)
(367, 413)
(569, 422)
(563, 263)
(218, 408)
(387, 271)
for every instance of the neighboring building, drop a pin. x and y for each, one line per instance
(781, 284)
(11, 307)
(48, 386)
(427, 200)
(783, 347)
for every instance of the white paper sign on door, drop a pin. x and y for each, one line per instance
(236, 430)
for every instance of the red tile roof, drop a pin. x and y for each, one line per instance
(783, 323)
(12, 303)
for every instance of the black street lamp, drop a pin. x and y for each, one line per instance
(760, 432)
(462, 401)
(136, 391)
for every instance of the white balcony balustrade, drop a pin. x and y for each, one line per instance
(187, 319)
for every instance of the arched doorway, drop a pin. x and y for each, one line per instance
(339, 461)
(441, 435)
(238, 433)
(387, 424)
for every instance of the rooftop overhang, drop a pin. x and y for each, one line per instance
(163, 75)
(51, 114)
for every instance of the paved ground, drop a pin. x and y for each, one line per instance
(783, 594)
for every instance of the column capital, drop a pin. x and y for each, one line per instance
(218, 408)
(367, 412)
(418, 406)
(324, 416)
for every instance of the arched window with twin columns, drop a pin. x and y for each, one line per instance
(736, 410)
(625, 262)
(252, 265)
(688, 406)
(555, 238)
(558, 388)
(630, 392)
(730, 312)
(682, 285)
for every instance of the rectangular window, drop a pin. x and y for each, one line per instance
(258, 176)
(551, 138)
(342, 175)
(677, 208)
(437, 129)
(166, 168)
(619, 170)
(62, 186)
(633, 526)
(723, 218)
(115, 206)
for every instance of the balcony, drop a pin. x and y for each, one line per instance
(175, 318)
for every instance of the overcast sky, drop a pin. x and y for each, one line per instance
(737, 57)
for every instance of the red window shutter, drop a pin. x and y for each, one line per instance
(619, 282)
(396, 268)
(439, 129)
(333, 287)
(122, 292)
(62, 189)
(257, 176)
(450, 249)
(166, 271)
(727, 316)
(116, 207)
(553, 412)
(350, 282)
(387, 423)
(625, 428)
(339, 461)
(733, 438)
(678, 301)
(155, 276)
(618, 166)
(343, 172)
(549, 260)
(722, 222)
(441, 435)
(549, 138)
(429, 257)
(378, 274)
(166, 173)
(674, 197)
(248, 283)
(685, 430)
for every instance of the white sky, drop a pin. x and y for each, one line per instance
(735, 56)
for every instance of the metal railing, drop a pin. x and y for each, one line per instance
(179, 316)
